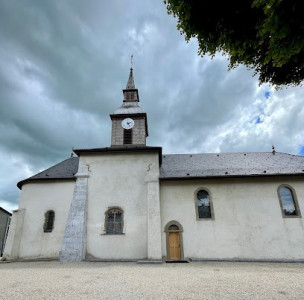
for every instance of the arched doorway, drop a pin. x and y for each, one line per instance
(174, 238)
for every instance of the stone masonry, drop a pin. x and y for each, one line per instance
(74, 239)
(138, 132)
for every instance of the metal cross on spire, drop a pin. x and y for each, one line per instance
(132, 61)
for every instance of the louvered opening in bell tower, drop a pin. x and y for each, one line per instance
(131, 95)
(127, 136)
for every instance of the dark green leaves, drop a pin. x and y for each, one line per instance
(267, 35)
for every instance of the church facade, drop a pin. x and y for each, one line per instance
(130, 202)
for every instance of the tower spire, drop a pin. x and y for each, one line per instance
(130, 83)
(129, 121)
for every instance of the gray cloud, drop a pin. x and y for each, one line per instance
(63, 65)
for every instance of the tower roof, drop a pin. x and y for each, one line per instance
(131, 99)
(130, 83)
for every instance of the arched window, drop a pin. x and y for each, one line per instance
(49, 221)
(203, 205)
(114, 221)
(173, 227)
(288, 202)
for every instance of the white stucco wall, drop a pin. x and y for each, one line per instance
(119, 180)
(36, 199)
(12, 245)
(248, 222)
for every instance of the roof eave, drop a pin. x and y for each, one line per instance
(32, 180)
(122, 116)
(121, 149)
(226, 176)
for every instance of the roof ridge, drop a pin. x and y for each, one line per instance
(242, 152)
(288, 153)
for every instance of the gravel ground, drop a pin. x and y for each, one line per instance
(196, 280)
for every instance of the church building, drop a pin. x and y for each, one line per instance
(129, 201)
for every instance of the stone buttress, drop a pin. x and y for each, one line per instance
(74, 239)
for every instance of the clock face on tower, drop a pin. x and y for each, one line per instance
(127, 123)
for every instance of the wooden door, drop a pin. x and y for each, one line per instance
(174, 246)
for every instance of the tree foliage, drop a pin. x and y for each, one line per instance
(267, 35)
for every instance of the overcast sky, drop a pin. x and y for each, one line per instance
(63, 65)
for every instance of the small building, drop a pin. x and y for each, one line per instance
(5, 218)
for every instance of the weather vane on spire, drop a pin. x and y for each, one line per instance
(132, 61)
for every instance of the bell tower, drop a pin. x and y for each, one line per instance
(129, 121)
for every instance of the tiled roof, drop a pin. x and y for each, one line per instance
(64, 170)
(5, 211)
(205, 165)
(129, 108)
(230, 164)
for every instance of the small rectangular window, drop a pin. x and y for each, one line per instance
(114, 221)
(49, 221)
